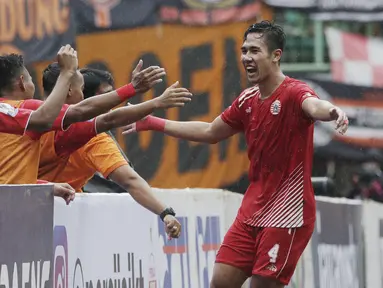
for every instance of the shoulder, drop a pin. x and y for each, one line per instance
(32, 104)
(297, 87)
(247, 96)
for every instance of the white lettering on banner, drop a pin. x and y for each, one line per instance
(33, 274)
(337, 266)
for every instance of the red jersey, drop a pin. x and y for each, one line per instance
(13, 120)
(279, 138)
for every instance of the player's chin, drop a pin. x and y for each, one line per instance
(253, 78)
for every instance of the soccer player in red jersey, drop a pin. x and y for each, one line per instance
(277, 114)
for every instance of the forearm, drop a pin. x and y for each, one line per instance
(196, 131)
(125, 115)
(321, 111)
(94, 106)
(46, 114)
(140, 191)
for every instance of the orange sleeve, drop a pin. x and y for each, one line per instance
(103, 155)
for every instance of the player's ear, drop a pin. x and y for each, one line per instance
(70, 92)
(277, 54)
(21, 83)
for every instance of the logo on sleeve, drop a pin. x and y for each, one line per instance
(5, 108)
(275, 107)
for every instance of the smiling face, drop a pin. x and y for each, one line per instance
(257, 59)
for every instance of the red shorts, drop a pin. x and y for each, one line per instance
(269, 252)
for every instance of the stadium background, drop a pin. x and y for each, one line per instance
(198, 43)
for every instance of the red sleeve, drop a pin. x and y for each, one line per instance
(13, 120)
(300, 93)
(232, 116)
(34, 104)
(76, 136)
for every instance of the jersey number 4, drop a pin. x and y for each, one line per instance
(273, 253)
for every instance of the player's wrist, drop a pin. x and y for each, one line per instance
(125, 92)
(157, 124)
(151, 123)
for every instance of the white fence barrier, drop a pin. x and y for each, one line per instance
(108, 240)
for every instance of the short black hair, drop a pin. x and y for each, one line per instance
(275, 36)
(50, 76)
(11, 67)
(93, 78)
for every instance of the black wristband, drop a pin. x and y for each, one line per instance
(167, 211)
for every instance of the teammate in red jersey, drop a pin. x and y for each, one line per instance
(277, 215)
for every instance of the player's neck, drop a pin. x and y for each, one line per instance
(13, 96)
(270, 84)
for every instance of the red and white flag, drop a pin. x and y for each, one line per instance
(355, 59)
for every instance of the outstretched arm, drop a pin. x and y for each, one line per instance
(323, 110)
(172, 97)
(196, 131)
(142, 81)
(142, 193)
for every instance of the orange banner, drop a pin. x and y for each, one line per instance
(204, 60)
(35, 28)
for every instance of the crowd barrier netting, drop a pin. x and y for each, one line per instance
(108, 240)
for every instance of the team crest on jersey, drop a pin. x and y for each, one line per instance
(275, 107)
(5, 108)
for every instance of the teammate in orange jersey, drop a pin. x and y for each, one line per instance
(277, 114)
(101, 153)
(19, 156)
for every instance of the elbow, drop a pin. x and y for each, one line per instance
(210, 137)
(46, 126)
(131, 184)
(41, 121)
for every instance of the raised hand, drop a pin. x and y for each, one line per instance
(144, 80)
(67, 59)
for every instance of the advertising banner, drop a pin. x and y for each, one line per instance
(209, 65)
(337, 244)
(373, 235)
(101, 239)
(26, 221)
(108, 238)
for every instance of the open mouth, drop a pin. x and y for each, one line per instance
(251, 70)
